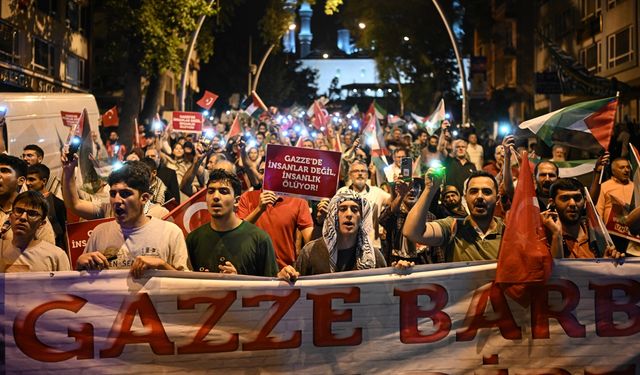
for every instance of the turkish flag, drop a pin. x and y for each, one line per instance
(110, 118)
(191, 214)
(320, 115)
(207, 100)
(525, 259)
(236, 128)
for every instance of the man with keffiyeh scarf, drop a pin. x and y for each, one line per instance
(344, 245)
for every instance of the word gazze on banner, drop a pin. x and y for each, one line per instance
(445, 319)
(304, 172)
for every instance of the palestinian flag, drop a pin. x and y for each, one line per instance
(432, 123)
(598, 232)
(375, 109)
(254, 106)
(394, 120)
(575, 168)
(587, 126)
(381, 113)
(374, 138)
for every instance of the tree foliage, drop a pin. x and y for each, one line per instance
(410, 44)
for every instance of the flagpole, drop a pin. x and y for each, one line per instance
(603, 228)
(614, 121)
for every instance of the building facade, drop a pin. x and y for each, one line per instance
(505, 54)
(602, 36)
(45, 46)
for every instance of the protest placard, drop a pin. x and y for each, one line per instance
(617, 227)
(77, 236)
(187, 122)
(303, 172)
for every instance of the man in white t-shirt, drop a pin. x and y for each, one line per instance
(23, 252)
(475, 151)
(134, 240)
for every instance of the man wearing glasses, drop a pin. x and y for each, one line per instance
(134, 240)
(23, 252)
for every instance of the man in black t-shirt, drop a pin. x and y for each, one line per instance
(228, 244)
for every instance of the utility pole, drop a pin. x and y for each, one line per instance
(463, 77)
(187, 59)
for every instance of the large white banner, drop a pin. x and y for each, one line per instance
(439, 319)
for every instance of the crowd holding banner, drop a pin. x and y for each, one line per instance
(293, 193)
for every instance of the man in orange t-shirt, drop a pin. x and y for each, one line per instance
(280, 217)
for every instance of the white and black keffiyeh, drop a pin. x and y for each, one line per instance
(365, 257)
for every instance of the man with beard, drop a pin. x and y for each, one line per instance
(451, 204)
(572, 230)
(133, 240)
(24, 253)
(377, 198)
(546, 173)
(477, 237)
(229, 244)
(344, 245)
(393, 218)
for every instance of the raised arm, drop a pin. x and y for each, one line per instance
(594, 189)
(72, 201)
(416, 227)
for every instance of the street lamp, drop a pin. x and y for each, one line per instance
(362, 25)
(406, 38)
(187, 59)
(463, 78)
(292, 26)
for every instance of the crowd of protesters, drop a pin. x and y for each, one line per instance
(451, 207)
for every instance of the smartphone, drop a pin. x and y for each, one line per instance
(74, 146)
(406, 168)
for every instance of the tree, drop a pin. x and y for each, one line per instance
(141, 39)
(284, 82)
(411, 47)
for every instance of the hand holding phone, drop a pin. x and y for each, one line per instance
(406, 168)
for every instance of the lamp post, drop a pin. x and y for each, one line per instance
(187, 59)
(454, 44)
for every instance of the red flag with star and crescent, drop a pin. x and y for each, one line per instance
(110, 118)
(191, 214)
(207, 100)
(524, 259)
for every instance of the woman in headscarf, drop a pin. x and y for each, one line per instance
(344, 245)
